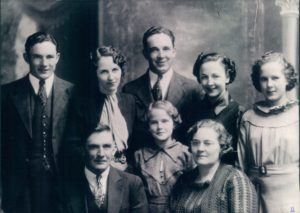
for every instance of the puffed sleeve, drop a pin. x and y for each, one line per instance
(241, 146)
(241, 193)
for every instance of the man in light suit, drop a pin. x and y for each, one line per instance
(161, 82)
(99, 187)
(33, 112)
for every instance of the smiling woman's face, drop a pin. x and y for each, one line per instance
(205, 147)
(109, 75)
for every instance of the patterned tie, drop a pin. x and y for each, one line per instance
(99, 195)
(42, 92)
(156, 90)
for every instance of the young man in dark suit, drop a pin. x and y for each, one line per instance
(161, 82)
(99, 187)
(33, 111)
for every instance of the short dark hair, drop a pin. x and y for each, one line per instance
(271, 56)
(229, 64)
(157, 30)
(99, 129)
(169, 108)
(39, 37)
(118, 57)
(224, 137)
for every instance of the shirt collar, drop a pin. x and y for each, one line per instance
(171, 150)
(35, 83)
(166, 77)
(91, 177)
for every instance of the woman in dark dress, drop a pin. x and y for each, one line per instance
(215, 72)
(212, 186)
(102, 103)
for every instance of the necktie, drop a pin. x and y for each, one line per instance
(42, 92)
(99, 195)
(156, 90)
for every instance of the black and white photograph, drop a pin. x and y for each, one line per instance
(149, 106)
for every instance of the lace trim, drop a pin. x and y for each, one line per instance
(260, 106)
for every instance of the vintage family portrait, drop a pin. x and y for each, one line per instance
(159, 106)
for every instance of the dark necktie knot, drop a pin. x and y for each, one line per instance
(42, 82)
(156, 90)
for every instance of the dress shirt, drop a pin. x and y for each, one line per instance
(92, 179)
(35, 82)
(164, 82)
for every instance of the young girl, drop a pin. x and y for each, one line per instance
(160, 163)
(268, 146)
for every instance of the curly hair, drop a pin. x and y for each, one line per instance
(169, 108)
(224, 137)
(229, 64)
(271, 56)
(118, 57)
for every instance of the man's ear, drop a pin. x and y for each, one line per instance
(57, 56)
(145, 53)
(26, 57)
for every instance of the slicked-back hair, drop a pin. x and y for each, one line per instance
(99, 129)
(157, 30)
(39, 37)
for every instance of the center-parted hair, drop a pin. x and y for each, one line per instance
(39, 37)
(229, 65)
(168, 108)
(288, 69)
(224, 137)
(118, 57)
(157, 30)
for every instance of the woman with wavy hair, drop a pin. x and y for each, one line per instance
(214, 73)
(212, 186)
(104, 104)
(268, 145)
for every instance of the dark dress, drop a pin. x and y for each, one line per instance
(229, 117)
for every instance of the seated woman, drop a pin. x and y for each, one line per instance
(104, 104)
(268, 146)
(215, 72)
(161, 162)
(212, 186)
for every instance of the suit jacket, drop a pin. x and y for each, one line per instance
(182, 93)
(16, 133)
(84, 117)
(125, 193)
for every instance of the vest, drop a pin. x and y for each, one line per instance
(91, 205)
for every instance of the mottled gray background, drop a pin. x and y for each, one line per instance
(241, 29)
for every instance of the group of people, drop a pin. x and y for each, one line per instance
(162, 143)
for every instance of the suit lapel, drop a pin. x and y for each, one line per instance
(60, 99)
(21, 99)
(78, 195)
(175, 92)
(115, 191)
(144, 90)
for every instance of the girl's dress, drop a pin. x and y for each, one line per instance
(268, 151)
(159, 169)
